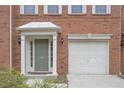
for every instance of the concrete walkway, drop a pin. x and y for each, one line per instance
(95, 81)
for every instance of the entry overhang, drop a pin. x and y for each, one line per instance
(39, 26)
(37, 30)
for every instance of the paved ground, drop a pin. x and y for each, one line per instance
(95, 81)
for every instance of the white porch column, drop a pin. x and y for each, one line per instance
(23, 54)
(54, 54)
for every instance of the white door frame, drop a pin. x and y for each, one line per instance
(23, 49)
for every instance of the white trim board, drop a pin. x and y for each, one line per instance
(38, 33)
(89, 36)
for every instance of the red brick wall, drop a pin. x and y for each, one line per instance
(122, 18)
(74, 24)
(122, 59)
(4, 37)
(122, 29)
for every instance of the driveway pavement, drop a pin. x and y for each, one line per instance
(95, 81)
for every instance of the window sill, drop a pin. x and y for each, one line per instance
(101, 14)
(41, 76)
(53, 14)
(77, 14)
(29, 14)
(39, 73)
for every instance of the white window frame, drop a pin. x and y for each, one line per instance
(107, 12)
(46, 10)
(22, 10)
(83, 8)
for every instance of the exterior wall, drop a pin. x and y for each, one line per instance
(122, 55)
(73, 24)
(122, 18)
(122, 39)
(4, 37)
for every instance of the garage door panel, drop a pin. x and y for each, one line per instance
(86, 70)
(88, 57)
(88, 65)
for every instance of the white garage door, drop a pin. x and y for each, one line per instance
(87, 57)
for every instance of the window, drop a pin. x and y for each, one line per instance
(53, 9)
(51, 55)
(29, 9)
(77, 9)
(31, 53)
(101, 9)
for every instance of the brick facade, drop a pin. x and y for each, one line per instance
(70, 24)
(4, 37)
(122, 45)
(74, 24)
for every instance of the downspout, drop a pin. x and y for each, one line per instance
(120, 41)
(10, 35)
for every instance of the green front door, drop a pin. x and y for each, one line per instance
(41, 55)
